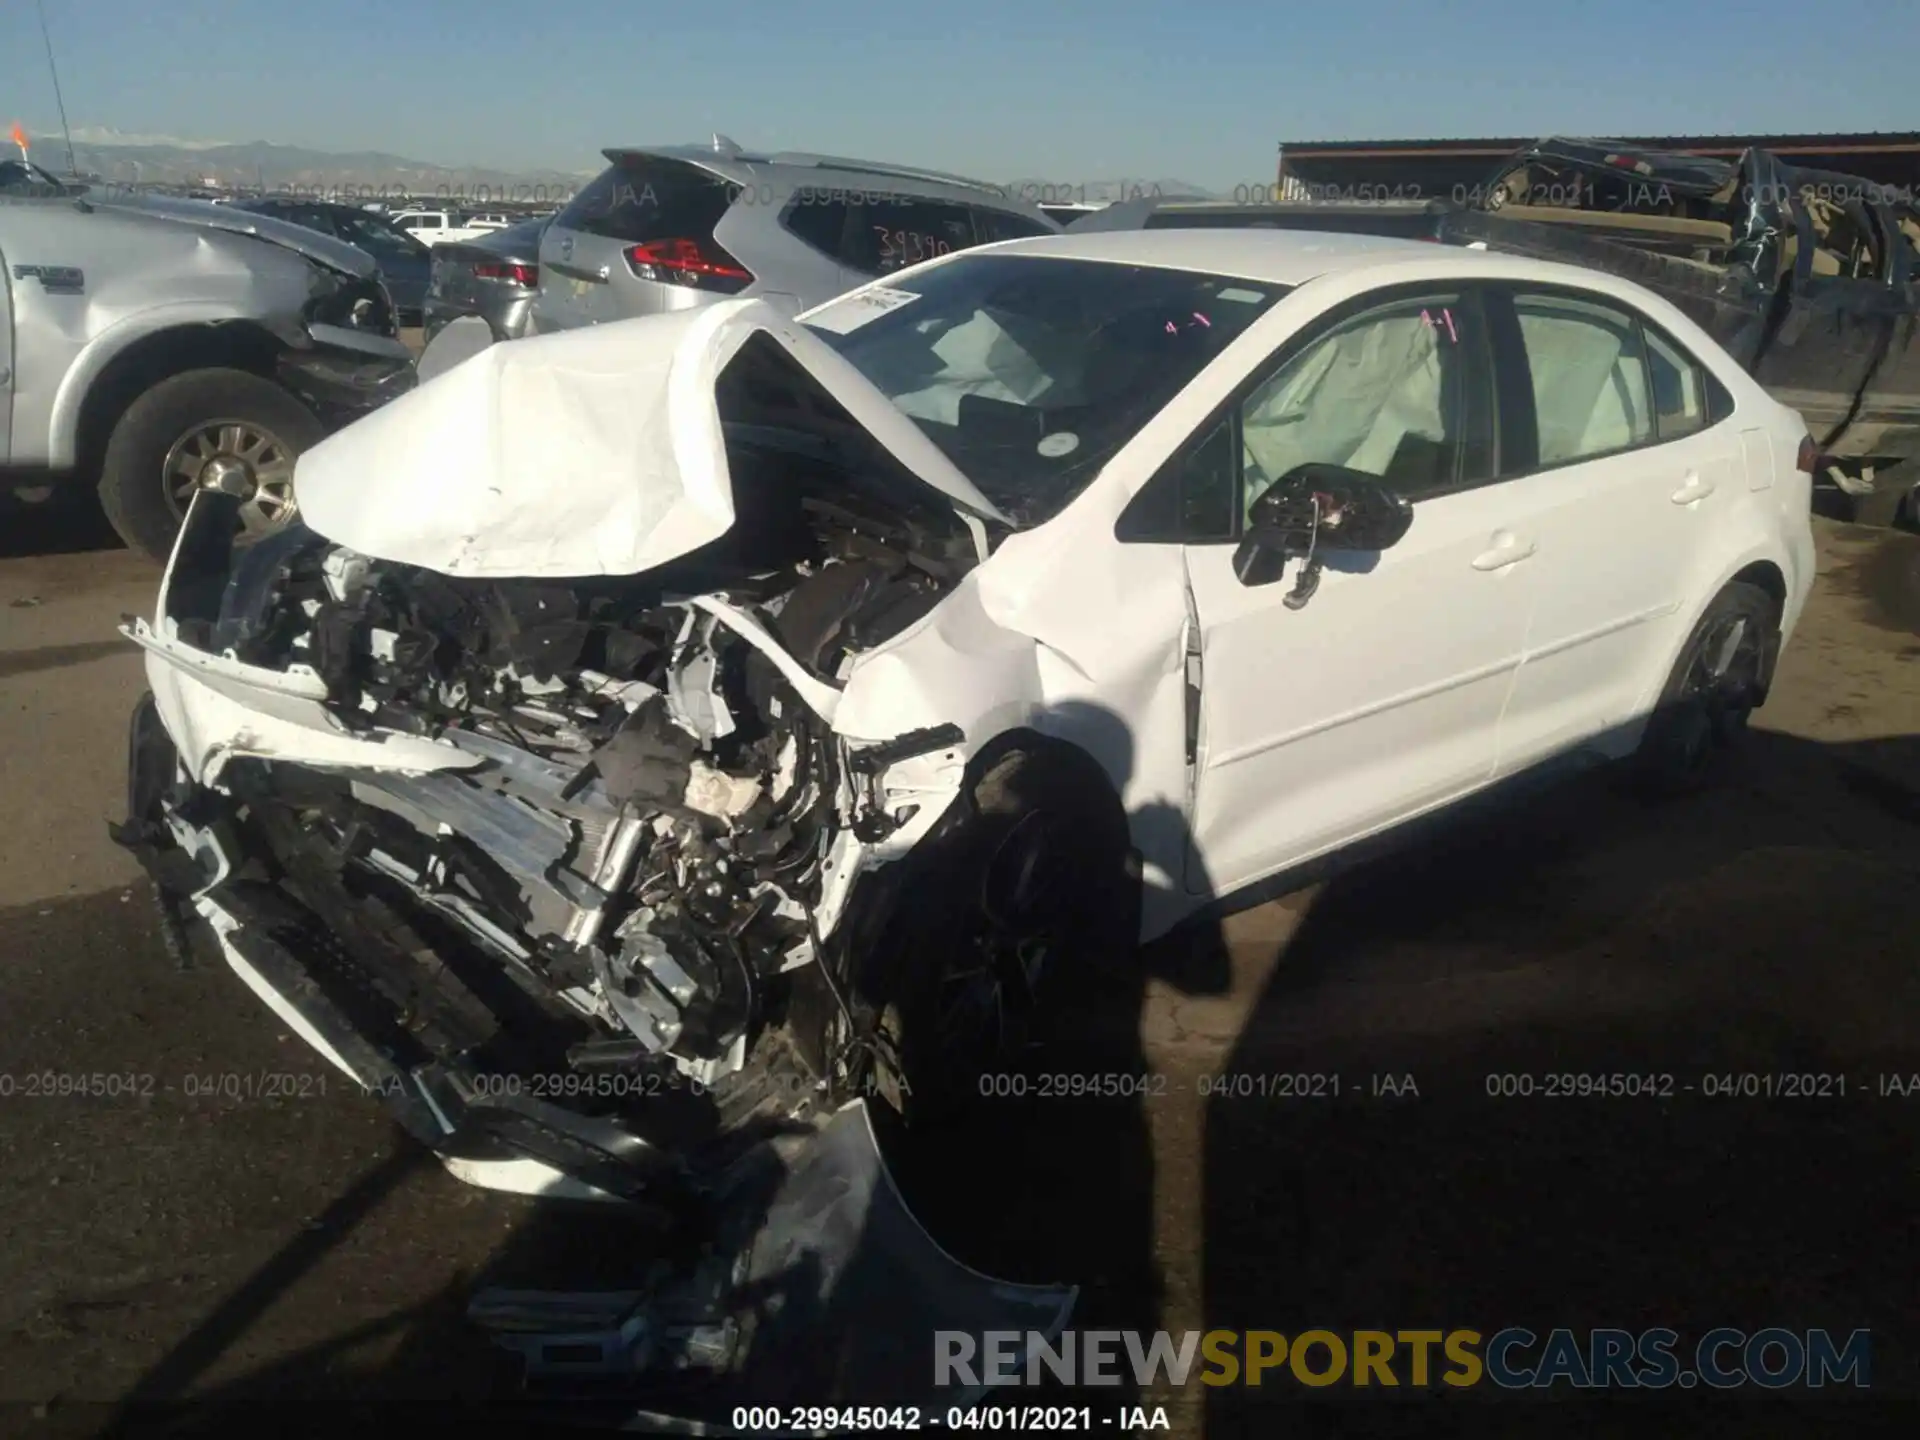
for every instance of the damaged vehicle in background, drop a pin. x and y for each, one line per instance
(1809, 278)
(493, 279)
(170, 346)
(678, 746)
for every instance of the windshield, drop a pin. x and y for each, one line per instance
(1032, 372)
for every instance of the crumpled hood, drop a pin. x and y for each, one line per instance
(596, 451)
(333, 253)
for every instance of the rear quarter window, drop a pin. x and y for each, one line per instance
(821, 222)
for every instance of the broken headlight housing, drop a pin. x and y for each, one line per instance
(352, 302)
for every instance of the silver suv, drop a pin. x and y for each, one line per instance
(675, 227)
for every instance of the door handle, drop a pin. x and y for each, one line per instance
(1507, 550)
(1694, 489)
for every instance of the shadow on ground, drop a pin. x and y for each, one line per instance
(1725, 943)
(1764, 928)
(68, 522)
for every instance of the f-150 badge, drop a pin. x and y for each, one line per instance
(55, 279)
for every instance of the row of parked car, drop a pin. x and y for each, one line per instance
(1811, 280)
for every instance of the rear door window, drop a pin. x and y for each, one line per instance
(649, 200)
(1589, 373)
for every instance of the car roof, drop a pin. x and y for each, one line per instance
(1293, 257)
(1279, 257)
(727, 159)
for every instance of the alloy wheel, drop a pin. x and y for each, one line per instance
(1722, 685)
(988, 999)
(235, 457)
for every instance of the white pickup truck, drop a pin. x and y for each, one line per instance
(159, 347)
(437, 227)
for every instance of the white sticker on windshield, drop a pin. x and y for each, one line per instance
(1061, 442)
(845, 316)
(1241, 297)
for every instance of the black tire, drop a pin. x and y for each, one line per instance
(132, 482)
(1720, 679)
(1037, 850)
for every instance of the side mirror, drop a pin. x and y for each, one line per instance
(1314, 510)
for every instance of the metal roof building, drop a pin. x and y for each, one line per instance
(1448, 169)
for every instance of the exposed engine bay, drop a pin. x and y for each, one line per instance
(553, 823)
(621, 891)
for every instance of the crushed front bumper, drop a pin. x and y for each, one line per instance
(806, 1279)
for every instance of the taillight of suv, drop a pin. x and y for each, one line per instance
(698, 264)
(527, 277)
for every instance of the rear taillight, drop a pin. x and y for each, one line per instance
(702, 265)
(1808, 460)
(513, 273)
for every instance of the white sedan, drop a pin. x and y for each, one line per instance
(795, 703)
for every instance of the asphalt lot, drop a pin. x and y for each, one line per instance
(177, 1243)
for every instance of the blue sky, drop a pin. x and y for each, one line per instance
(1066, 90)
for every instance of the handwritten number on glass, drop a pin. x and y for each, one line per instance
(908, 247)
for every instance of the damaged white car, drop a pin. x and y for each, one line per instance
(662, 738)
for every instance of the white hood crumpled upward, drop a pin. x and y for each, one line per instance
(598, 451)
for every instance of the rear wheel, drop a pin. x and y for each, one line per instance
(225, 430)
(1718, 682)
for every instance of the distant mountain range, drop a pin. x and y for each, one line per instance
(115, 156)
(143, 159)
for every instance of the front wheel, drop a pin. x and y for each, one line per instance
(1028, 899)
(1720, 679)
(222, 430)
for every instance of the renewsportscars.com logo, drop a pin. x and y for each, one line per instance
(1515, 1358)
